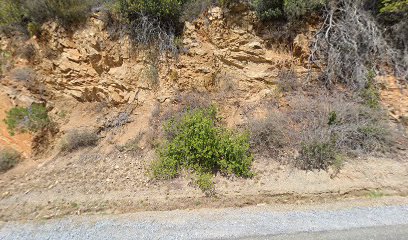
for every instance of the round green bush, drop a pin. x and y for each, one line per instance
(196, 141)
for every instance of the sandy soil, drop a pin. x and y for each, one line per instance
(20, 142)
(104, 180)
(87, 182)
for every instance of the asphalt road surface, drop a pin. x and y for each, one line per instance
(399, 232)
(360, 223)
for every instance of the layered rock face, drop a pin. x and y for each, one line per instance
(221, 50)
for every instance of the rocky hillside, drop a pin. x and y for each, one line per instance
(225, 52)
(107, 99)
(222, 53)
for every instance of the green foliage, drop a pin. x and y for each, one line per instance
(370, 93)
(196, 142)
(299, 8)
(375, 194)
(8, 159)
(394, 6)
(281, 9)
(35, 12)
(164, 10)
(269, 9)
(226, 3)
(205, 182)
(34, 29)
(11, 12)
(31, 119)
(332, 118)
(67, 12)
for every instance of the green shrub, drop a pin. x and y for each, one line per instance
(370, 93)
(205, 182)
(152, 24)
(67, 12)
(299, 8)
(30, 119)
(78, 139)
(164, 10)
(281, 9)
(8, 159)
(394, 6)
(11, 12)
(226, 3)
(269, 9)
(196, 142)
(31, 13)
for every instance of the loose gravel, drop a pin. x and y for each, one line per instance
(205, 224)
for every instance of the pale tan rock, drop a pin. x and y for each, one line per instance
(95, 67)
(74, 93)
(301, 47)
(65, 65)
(72, 54)
(67, 43)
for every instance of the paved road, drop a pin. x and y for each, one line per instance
(399, 232)
(363, 223)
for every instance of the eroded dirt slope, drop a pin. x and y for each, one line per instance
(97, 82)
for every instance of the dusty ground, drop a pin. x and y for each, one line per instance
(21, 142)
(119, 183)
(104, 180)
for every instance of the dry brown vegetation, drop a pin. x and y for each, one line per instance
(8, 159)
(77, 139)
(317, 132)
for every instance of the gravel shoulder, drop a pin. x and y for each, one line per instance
(250, 222)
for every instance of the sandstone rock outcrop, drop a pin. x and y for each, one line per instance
(222, 51)
(98, 63)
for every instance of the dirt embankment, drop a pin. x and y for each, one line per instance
(20, 142)
(97, 82)
(105, 180)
